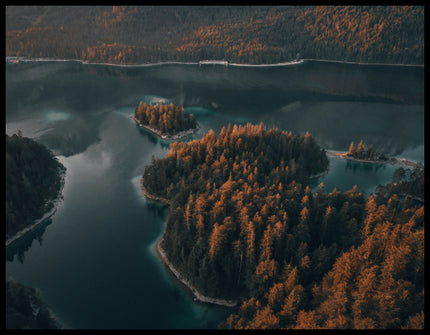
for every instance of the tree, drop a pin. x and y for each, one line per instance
(351, 150)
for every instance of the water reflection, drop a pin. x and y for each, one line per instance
(379, 105)
(71, 137)
(362, 167)
(20, 246)
(102, 222)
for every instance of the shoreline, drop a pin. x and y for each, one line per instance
(152, 197)
(15, 59)
(177, 136)
(321, 174)
(197, 295)
(162, 256)
(46, 216)
(392, 161)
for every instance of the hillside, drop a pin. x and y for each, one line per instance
(33, 182)
(240, 34)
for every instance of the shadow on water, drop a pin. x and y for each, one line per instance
(20, 246)
(367, 168)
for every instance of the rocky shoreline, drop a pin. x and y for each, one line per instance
(150, 196)
(161, 254)
(198, 296)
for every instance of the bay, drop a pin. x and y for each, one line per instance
(94, 261)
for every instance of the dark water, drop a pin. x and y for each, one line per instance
(94, 262)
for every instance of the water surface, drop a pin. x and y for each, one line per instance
(94, 261)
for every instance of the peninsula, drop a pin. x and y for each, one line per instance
(369, 155)
(169, 122)
(33, 190)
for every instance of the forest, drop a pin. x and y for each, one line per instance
(239, 34)
(168, 119)
(25, 308)
(243, 224)
(33, 181)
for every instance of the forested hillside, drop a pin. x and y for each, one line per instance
(243, 34)
(33, 180)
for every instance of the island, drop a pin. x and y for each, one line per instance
(244, 229)
(34, 181)
(370, 155)
(169, 122)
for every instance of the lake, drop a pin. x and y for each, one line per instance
(94, 261)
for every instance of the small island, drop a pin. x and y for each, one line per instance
(370, 155)
(169, 122)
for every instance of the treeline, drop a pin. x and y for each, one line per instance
(368, 33)
(168, 119)
(361, 152)
(25, 308)
(242, 34)
(32, 181)
(237, 209)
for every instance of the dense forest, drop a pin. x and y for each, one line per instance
(243, 225)
(33, 180)
(168, 119)
(233, 198)
(25, 308)
(240, 34)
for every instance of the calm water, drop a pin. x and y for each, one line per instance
(94, 261)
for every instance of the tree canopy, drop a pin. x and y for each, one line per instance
(32, 181)
(240, 34)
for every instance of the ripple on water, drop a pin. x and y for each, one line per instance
(54, 116)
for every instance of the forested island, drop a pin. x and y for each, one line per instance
(370, 155)
(237, 34)
(34, 179)
(243, 226)
(25, 308)
(169, 122)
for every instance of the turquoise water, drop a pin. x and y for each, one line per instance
(94, 261)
